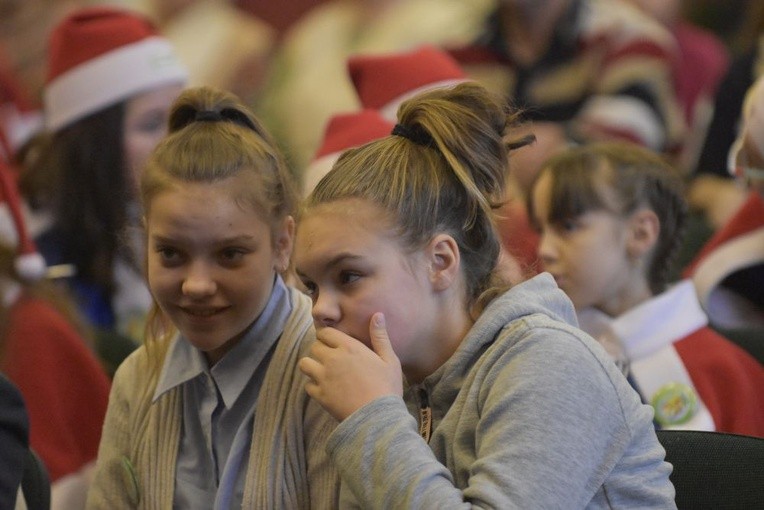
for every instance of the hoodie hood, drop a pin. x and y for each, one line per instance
(537, 296)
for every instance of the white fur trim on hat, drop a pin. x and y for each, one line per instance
(110, 78)
(736, 254)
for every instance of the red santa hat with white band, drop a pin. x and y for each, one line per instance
(344, 131)
(739, 244)
(29, 264)
(99, 56)
(384, 81)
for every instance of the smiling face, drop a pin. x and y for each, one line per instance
(352, 265)
(212, 260)
(587, 255)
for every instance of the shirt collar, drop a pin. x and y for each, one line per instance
(184, 362)
(651, 325)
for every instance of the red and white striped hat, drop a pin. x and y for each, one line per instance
(99, 56)
(384, 81)
(29, 263)
(344, 131)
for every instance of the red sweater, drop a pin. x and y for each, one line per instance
(64, 385)
(728, 380)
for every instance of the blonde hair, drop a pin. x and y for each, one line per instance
(443, 170)
(213, 136)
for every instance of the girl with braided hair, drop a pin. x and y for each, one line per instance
(610, 217)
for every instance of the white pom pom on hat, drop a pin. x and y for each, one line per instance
(99, 56)
(29, 264)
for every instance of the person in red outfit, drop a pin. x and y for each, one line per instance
(610, 217)
(43, 351)
(728, 272)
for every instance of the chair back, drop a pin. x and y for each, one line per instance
(715, 470)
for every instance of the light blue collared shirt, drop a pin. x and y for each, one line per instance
(218, 408)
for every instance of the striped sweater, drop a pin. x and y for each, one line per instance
(607, 73)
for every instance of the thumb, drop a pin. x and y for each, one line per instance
(380, 342)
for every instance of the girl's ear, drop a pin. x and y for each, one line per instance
(283, 243)
(444, 260)
(644, 227)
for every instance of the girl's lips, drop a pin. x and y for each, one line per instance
(206, 312)
(202, 312)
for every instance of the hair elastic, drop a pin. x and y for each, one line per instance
(231, 115)
(208, 116)
(417, 136)
(237, 117)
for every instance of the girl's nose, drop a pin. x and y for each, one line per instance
(547, 251)
(325, 311)
(199, 281)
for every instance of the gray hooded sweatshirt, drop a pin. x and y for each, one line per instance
(529, 412)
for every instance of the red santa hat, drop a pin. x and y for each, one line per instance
(384, 81)
(736, 246)
(29, 264)
(99, 56)
(739, 244)
(344, 131)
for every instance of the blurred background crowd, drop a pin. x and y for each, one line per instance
(324, 75)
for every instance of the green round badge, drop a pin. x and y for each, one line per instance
(674, 403)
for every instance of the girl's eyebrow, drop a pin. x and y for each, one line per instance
(217, 242)
(162, 239)
(332, 262)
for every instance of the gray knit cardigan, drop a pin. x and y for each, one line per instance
(288, 466)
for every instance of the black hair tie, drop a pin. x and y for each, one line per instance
(231, 115)
(237, 117)
(208, 116)
(417, 136)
